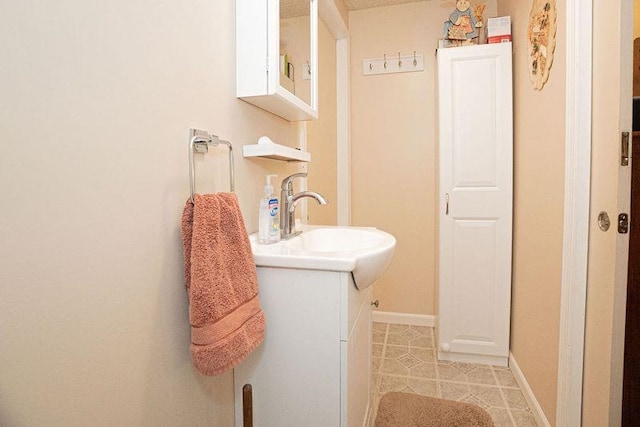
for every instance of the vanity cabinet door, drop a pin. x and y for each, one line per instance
(295, 372)
(357, 363)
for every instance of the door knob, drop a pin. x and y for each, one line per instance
(603, 221)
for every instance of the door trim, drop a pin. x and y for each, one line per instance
(576, 211)
(343, 131)
(623, 205)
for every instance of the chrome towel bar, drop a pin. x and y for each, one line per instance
(199, 142)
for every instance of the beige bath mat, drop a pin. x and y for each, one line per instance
(411, 410)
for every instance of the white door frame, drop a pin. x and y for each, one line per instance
(343, 79)
(331, 14)
(576, 211)
(625, 120)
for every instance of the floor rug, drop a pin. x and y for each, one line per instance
(411, 410)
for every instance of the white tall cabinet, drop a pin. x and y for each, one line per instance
(475, 202)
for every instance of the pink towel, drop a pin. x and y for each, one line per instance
(227, 322)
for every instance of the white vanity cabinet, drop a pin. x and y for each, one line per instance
(277, 56)
(314, 366)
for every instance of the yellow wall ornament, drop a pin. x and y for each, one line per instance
(542, 41)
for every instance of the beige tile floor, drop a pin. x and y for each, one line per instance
(404, 359)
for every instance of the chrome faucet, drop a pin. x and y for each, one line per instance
(288, 202)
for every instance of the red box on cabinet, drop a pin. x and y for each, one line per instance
(499, 29)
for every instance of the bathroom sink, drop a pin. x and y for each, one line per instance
(338, 239)
(364, 251)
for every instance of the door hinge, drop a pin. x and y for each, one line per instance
(623, 223)
(624, 160)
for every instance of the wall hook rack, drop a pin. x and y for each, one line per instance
(404, 64)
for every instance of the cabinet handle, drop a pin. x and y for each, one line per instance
(247, 406)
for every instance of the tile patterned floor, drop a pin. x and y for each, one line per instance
(404, 359)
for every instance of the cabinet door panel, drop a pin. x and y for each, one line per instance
(295, 373)
(357, 369)
(258, 59)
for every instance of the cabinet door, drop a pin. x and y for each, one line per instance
(295, 372)
(258, 57)
(357, 362)
(475, 219)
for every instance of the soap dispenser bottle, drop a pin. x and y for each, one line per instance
(269, 215)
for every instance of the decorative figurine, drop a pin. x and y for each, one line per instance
(478, 11)
(462, 25)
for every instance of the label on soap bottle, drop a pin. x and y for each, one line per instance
(273, 207)
(274, 222)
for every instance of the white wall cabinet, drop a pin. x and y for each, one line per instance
(314, 366)
(260, 76)
(475, 203)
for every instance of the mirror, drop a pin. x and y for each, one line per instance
(295, 49)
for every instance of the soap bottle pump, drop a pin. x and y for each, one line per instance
(269, 215)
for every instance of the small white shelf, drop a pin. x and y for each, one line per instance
(269, 149)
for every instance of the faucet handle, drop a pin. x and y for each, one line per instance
(287, 182)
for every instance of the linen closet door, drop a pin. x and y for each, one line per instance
(475, 202)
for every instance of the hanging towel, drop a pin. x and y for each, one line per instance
(226, 320)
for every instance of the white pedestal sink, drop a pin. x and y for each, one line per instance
(364, 251)
(314, 367)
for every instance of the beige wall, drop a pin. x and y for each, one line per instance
(321, 137)
(393, 146)
(539, 134)
(636, 19)
(97, 100)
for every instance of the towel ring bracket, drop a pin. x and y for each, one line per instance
(199, 142)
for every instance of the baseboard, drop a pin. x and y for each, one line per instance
(541, 419)
(368, 421)
(403, 318)
(473, 358)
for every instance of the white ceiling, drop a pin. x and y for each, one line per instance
(294, 8)
(365, 4)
